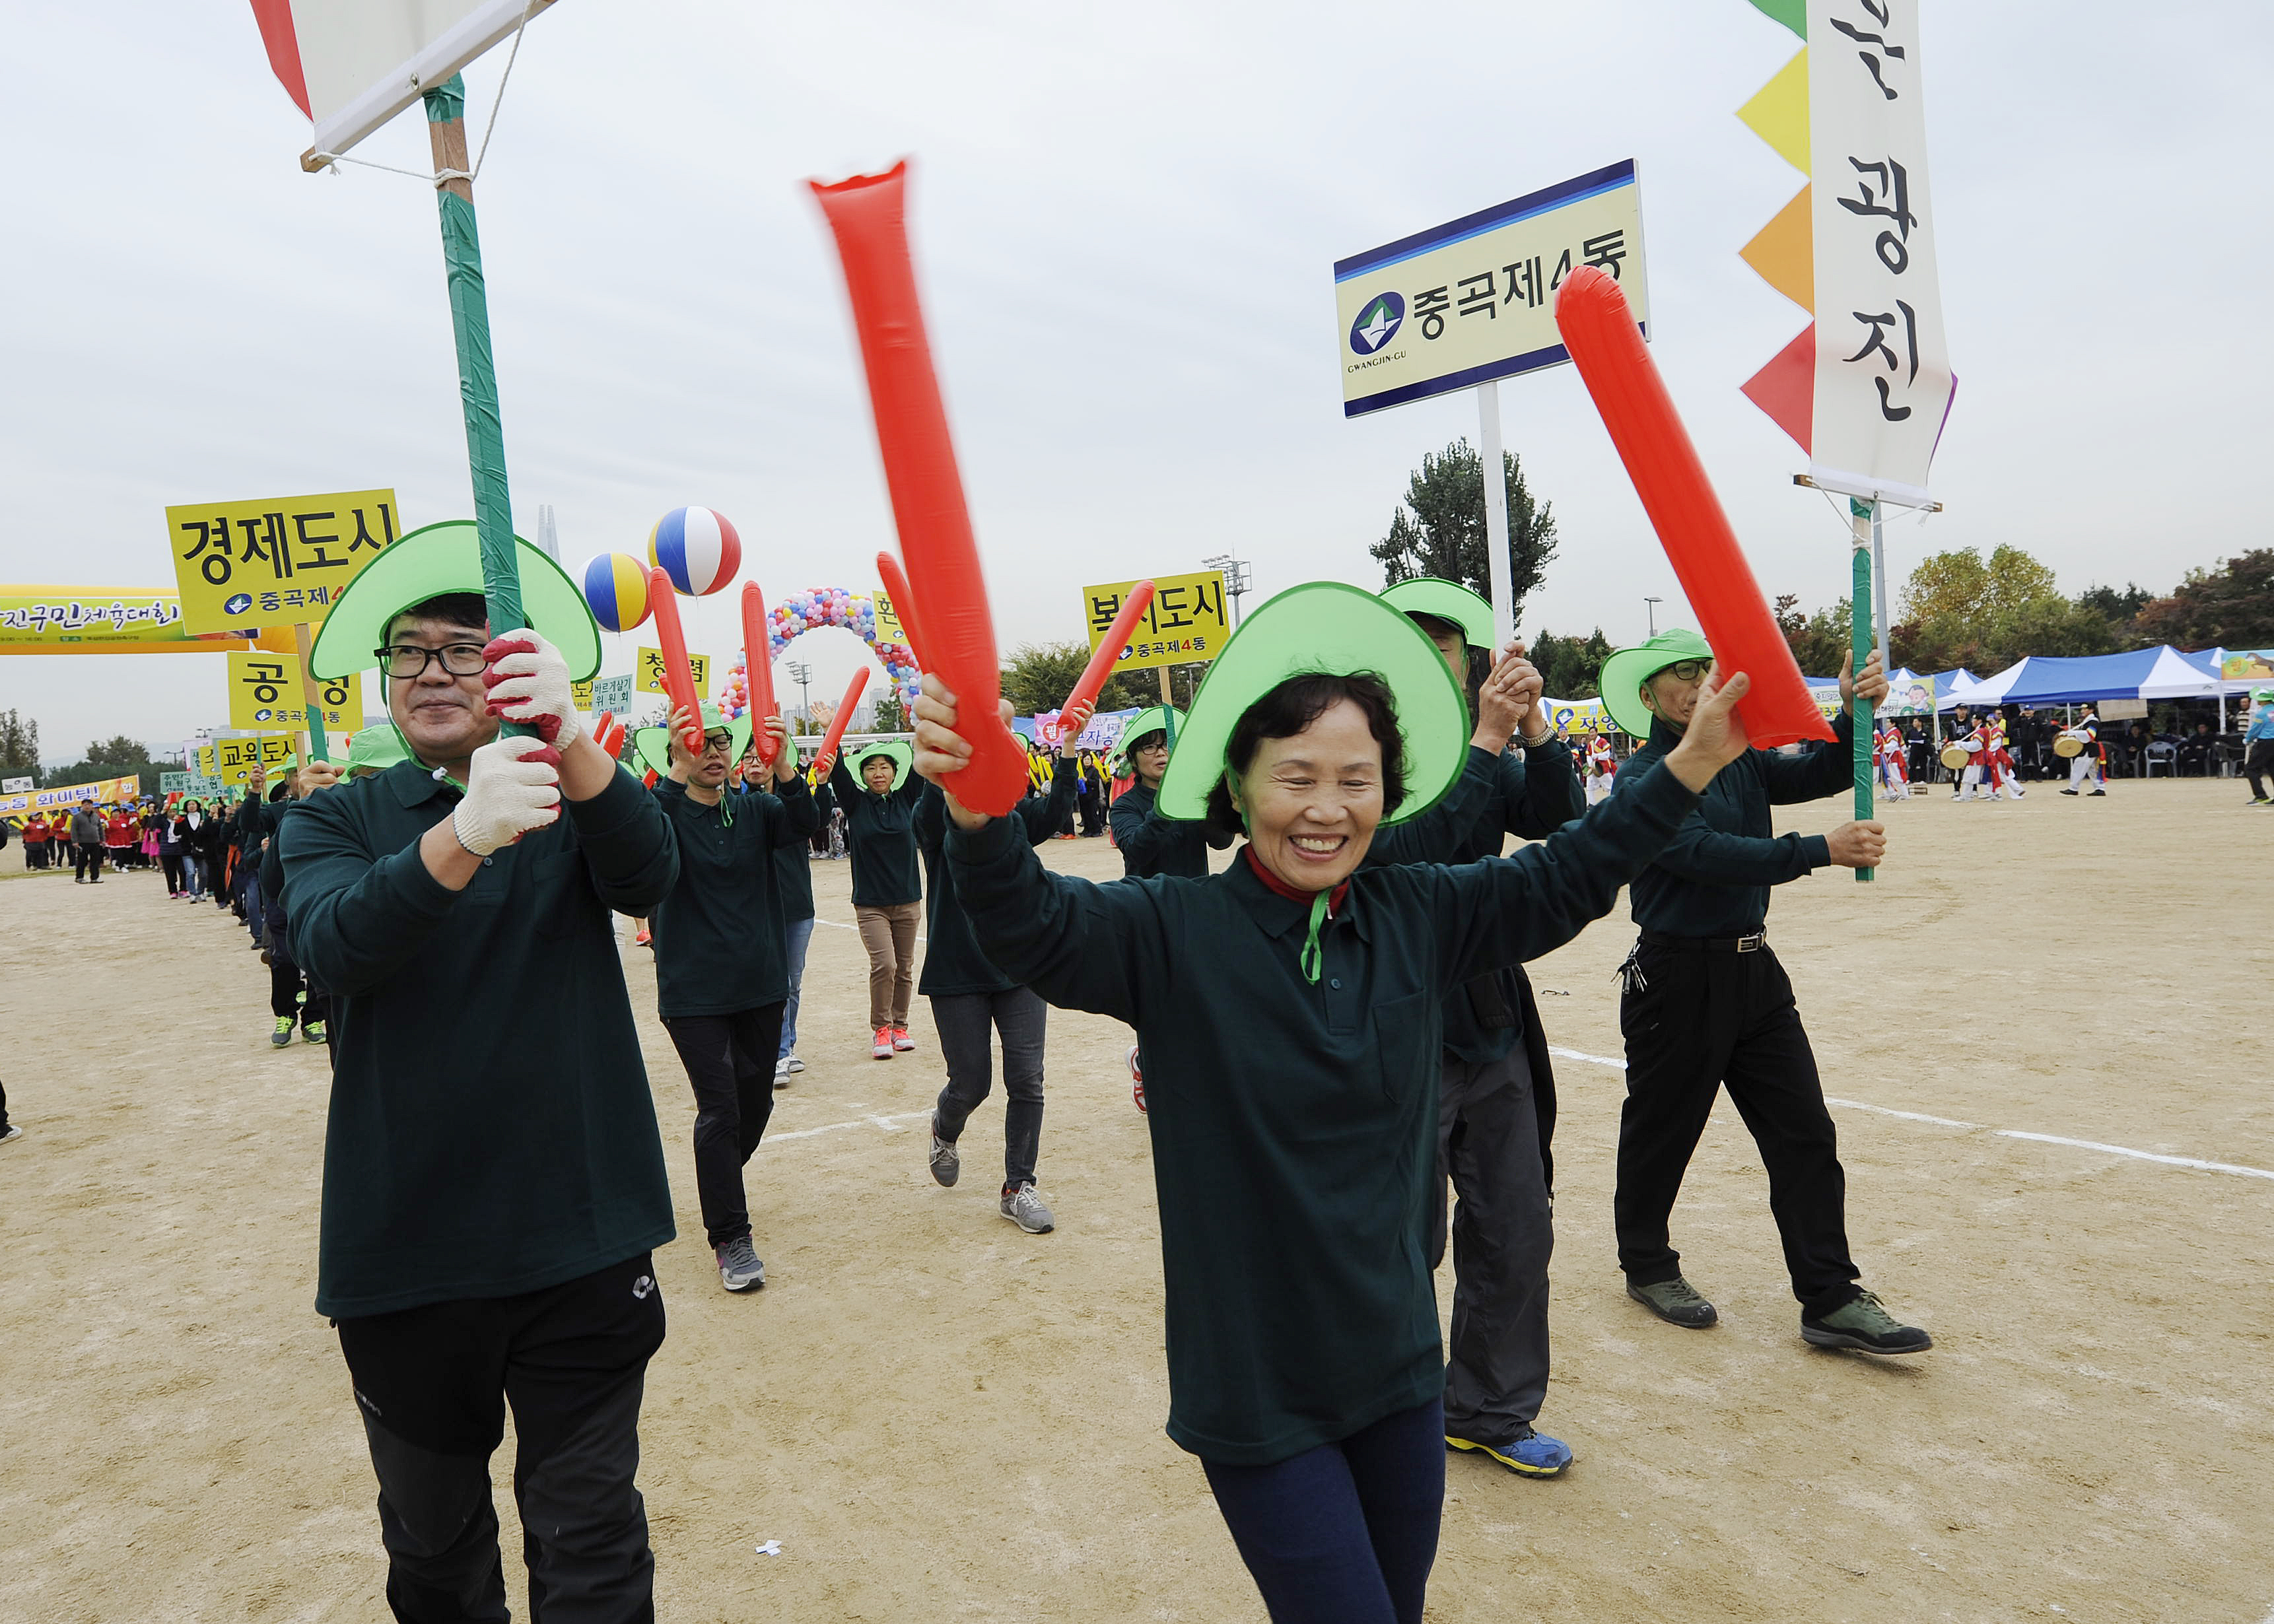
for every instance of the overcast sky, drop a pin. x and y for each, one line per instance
(1124, 221)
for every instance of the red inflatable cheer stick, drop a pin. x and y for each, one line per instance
(758, 671)
(844, 714)
(904, 605)
(1598, 330)
(1109, 651)
(678, 680)
(928, 505)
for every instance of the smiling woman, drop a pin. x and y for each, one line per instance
(1288, 1010)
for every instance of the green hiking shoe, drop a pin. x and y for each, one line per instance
(313, 1032)
(1866, 1325)
(283, 1034)
(1676, 1302)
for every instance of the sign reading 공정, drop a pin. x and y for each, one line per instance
(264, 692)
(278, 561)
(1186, 623)
(1474, 299)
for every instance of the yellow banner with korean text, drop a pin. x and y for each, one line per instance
(1568, 717)
(1186, 624)
(232, 760)
(1474, 299)
(649, 672)
(889, 629)
(57, 797)
(275, 561)
(265, 691)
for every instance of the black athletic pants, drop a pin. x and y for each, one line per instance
(730, 1064)
(1502, 1233)
(1694, 1018)
(962, 1020)
(2257, 762)
(87, 860)
(285, 984)
(433, 1383)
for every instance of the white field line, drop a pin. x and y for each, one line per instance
(889, 1124)
(2189, 1163)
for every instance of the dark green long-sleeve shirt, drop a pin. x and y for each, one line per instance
(1294, 1124)
(952, 961)
(1152, 845)
(1531, 795)
(1713, 879)
(491, 1128)
(794, 864)
(879, 838)
(718, 934)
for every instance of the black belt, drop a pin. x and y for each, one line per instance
(1752, 943)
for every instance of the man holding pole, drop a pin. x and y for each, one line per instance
(1706, 1003)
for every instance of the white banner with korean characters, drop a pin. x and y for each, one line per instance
(1883, 378)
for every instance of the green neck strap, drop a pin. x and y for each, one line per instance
(1311, 955)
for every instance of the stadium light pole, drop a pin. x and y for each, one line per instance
(1652, 611)
(1235, 579)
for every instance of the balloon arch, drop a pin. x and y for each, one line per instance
(810, 611)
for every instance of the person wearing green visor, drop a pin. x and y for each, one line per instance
(1290, 1009)
(494, 1179)
(880, 840)
(721, 980)
(1497, 1093)
(1149, 843)
(1705, 1003)
(971, 999)
(2258, 746)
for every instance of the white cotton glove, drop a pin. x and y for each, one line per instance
(528, 683)
(513, 785)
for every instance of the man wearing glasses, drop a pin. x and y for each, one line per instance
(493, 1180)
(1705, 1002)
(721, 969)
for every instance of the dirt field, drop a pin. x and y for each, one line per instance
(939, 1417)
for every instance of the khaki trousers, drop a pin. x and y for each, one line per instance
(890, 936)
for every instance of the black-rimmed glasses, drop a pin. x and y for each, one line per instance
(408, 661)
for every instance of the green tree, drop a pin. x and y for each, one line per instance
(117, 752)
(2229, 606)
(1960, 609)
(20, 746)
(1440, 528)
(892, 716)
(2120, 609)
(1571, 667)
(1820, 642)
(1038, 676)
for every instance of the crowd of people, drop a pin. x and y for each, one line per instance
(1340, 1064)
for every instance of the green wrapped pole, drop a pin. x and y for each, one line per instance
(1860, 649)
(470, 321)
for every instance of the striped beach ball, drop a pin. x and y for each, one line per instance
(696, 548)
(615, 586)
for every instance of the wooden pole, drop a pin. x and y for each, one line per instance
(312, 698)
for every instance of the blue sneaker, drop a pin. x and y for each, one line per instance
(1528, 1453)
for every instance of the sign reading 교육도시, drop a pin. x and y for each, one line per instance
(1474, 299)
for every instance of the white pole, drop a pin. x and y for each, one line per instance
(1879, 585)
(1503, 589)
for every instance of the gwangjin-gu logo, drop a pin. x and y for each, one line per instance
(1378, 323)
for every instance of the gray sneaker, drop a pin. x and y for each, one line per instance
(1025, 1208)
(1676, 1302)
(739, 1269)
(1864, 1325)
(947, 1166)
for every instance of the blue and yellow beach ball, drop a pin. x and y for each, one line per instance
(615, 587)
(697, 548)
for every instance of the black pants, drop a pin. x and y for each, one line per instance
(962, 1020)
(286, 983)
(2257, 762)
(433, 1383)
(730, 1064)
(171, 863)
(1344, 1533)
(87, 860)
(1502, 1233)
(1698, 1019)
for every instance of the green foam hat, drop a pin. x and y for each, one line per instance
(442, 557)
(1159, 718)
(903, 757)
(1323, 626)
(2264, 695)
(377, 748)
(652, 746)
(1444, 600)
(1627, 669)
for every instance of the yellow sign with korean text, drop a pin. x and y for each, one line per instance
(889, 629)
(1474, 299)
(649, 671)
(278, 561)
(264, 692)
(1567, 717)
(231, 760)
(1185, 625)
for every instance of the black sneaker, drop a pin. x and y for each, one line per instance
(1676, 1302)
(1866, 1325)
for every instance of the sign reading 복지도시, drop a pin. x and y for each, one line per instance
(264, 692)
(649, 671)
(277, 561)
(1186, 623)
(1474, 299)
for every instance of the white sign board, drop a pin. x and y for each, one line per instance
(1883, 378)
(15, 787)
(1474, 299)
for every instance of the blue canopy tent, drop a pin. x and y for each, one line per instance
(2162, 672)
